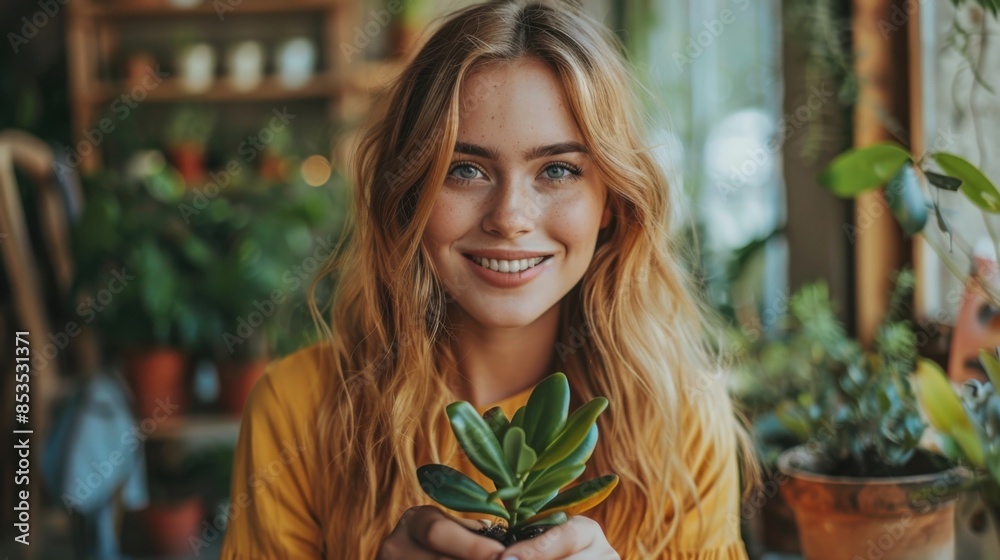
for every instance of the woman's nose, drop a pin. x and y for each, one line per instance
(513, 210)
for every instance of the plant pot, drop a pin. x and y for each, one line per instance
(169, 526)
(845, 518)
(236, 380)
(158, 379)
(189, 159)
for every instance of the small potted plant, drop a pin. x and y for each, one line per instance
(137, 266)
(862, 486)
(529, 458)
(968, 429)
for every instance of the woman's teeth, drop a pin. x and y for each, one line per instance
(507, 266)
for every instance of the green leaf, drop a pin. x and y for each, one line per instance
(456, 491)
(550, 481)
(906, 200)
(975, 186)
(479, 443)
(992, 367)
(574, 434)
(497, 421)
(557, 518)
(945, 182)
(519, 456)
(518, 418)
(863, 169)
(944, 410)
(508, 493)
(546, 411)
(581, 497)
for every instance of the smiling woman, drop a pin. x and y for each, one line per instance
(506, 201)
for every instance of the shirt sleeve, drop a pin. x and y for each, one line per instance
(271, 509)
(711, 532)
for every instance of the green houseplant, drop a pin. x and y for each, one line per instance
(862, 463)
(968, 428)
(529, 458)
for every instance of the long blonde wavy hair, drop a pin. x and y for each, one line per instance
(631, 330)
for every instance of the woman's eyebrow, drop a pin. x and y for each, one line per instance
(533, 153)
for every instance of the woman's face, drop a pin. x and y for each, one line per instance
(520, 187)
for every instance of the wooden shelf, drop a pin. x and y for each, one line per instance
(135, 8)
(365, 77)
(199, 427)
(270, 89)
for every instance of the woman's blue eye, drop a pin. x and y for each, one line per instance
(562, 171)
(465, 172)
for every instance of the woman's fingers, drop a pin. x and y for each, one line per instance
(432, 529)
(558, 542)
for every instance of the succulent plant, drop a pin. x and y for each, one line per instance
(529, 457)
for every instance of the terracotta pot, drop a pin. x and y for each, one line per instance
(189, 159)
(236, 380)
(169, 527)
(158, 379)
(848, 518)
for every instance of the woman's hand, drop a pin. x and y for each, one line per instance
(427, 533)
(580, 538)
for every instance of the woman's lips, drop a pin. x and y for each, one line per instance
(507, 279)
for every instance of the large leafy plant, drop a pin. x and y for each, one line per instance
(529, 458)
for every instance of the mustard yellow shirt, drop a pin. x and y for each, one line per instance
(271, 515)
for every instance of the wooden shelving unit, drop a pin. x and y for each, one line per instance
(95, 26)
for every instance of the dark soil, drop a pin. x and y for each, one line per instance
(921, 463)
(500, 533)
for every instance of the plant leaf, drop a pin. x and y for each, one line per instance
(479, 443)
(992, 367)
(497, 421)
(863, 169)
(574, 434)
(581, 497)
(519, 456)
(944, 410)
(975, 186)
(518, 418)
(546, 411)
(945, 182)
(507, 493)
(454, 490)
(551, 480)
(556, 518)
(906, 200)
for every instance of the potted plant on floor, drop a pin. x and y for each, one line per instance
(861, 486)
(137, 266)
(968, 428)
(529, 458)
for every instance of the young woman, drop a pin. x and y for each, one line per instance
(510, 221)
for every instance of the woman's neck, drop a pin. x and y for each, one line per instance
(496, 363)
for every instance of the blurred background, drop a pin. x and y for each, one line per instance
(173, 174)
